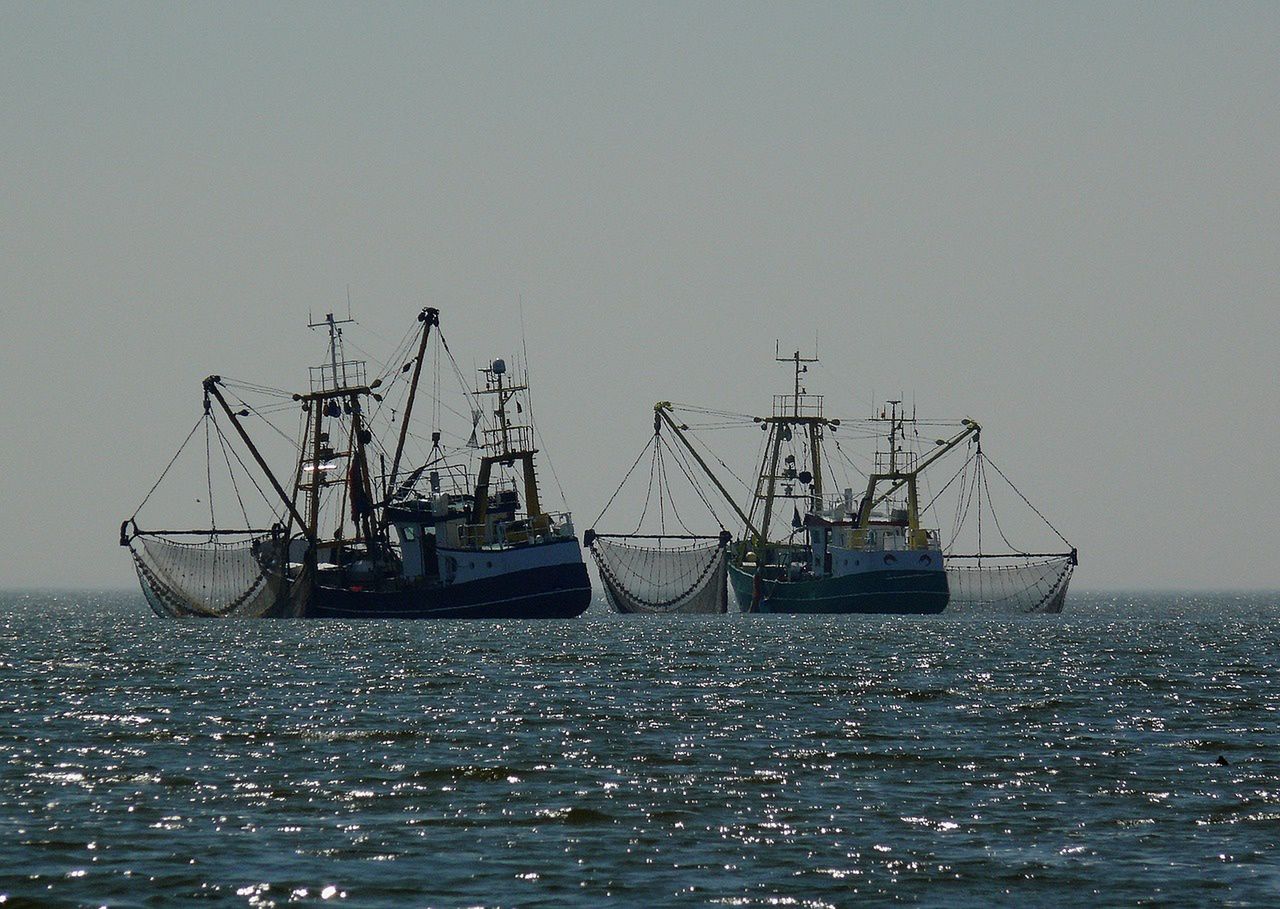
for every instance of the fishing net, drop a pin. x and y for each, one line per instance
(1008, 584)
(244, 578)
(663, 579)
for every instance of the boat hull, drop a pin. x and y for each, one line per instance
(895, 592)
(548, 592)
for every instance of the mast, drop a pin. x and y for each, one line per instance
(508, 443)
(898, 478)
(775, 438)
(428, 317)
(797, 411)
(335, 342)
(313, 501)
(337, 387)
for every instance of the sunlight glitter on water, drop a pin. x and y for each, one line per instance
(728, 761)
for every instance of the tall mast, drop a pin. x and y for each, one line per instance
(335, 342)
(337, 387)
(507, 444)
(796, 411)
(893, 436)
(427, 317)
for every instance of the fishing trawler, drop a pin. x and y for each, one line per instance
(839, 554)
(448, 538)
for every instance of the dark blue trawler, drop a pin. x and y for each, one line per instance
(435, 542)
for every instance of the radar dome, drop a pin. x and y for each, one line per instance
(499, 367)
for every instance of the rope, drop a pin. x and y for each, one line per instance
(963, 467)
(624, 480)
(994, 516)
(1025, 499)
(647, 495)
(462, 380)
(222, 443)
(661, 471)
(208, 474)
(258, 413)
(554, 476)
(687, 470)
(524, 346)
(711, 411)
(718, 460)
(165, 472)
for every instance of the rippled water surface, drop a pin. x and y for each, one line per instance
(738, 761)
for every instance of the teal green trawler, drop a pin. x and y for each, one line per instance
(875, 558)
(835, 557)
(802, 549)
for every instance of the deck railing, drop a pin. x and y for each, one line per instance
(518, 531)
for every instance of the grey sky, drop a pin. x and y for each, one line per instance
(1063, 220)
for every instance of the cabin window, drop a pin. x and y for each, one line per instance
(410, 534)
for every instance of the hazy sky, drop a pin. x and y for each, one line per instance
(1060, 219)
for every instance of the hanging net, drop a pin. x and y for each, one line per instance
(245, 578)
(218, 572)
(1009, 584)
(1010, 580)
(662, 579)
(670, 571)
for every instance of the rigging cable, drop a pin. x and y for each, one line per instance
(167, 468)
(634, 464)
(648, 492)
(1024, 499)
(946, 485)
(249, 473)
(208, 472)
(994, 517)
(687, 470)
(258, 413)
(222, 443)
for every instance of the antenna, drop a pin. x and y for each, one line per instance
(801, 366)
(335, 340)
(524, 347)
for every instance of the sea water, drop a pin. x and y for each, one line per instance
(1123, 752)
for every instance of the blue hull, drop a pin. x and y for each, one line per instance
(550, 592)
(904, 592)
